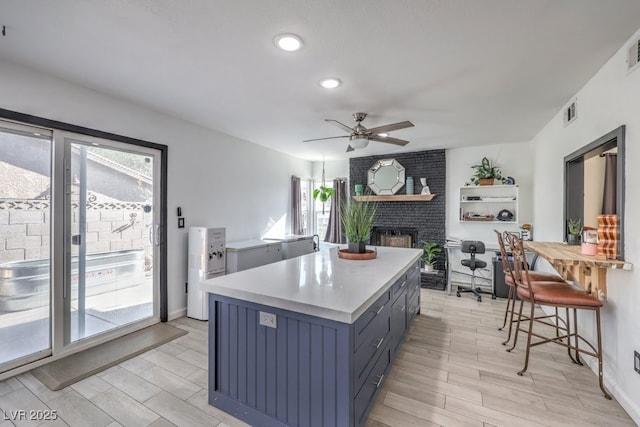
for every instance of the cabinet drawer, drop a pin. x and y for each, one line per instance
(398, 286)
(378, 309)
(398, 321)
(373, 381)
(367, 354)
(413, 287)
(413, 271)
(413, 306)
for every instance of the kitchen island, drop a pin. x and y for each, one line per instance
(307, 341)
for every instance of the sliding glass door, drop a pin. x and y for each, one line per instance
(110, 236)
(79, 241)
(25, 248)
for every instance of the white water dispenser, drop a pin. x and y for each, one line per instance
(207, 254)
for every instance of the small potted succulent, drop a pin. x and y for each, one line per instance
(486, 173)
(431, 251)
(574, 227)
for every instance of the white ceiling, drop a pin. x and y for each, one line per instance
(465, 72)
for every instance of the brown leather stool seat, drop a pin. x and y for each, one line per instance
(565, 295)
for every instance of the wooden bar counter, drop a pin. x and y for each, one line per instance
(589, 271)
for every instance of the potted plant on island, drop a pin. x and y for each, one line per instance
(357, 220)
(575, 230)
(431, 251)
(486, 172)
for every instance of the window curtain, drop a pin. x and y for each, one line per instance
(296, 206)
(610, 181)
(335, 231)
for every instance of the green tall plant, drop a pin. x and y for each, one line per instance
(357, 220)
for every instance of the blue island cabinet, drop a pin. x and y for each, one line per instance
(302, 370)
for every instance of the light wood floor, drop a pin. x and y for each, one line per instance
(451, 371)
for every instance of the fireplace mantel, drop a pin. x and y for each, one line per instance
(396, 198)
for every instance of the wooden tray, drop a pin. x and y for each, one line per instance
(345, 254)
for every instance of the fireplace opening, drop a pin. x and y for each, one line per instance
(397, 237)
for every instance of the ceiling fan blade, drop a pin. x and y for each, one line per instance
(340, 125)
(330, 137)
(389, 128)
(388, 140)
(350, 148)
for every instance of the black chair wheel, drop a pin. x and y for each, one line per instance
(493, 297)
(458, 294)
(479, 299)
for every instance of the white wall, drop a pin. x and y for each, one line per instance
(218, 180)
(607, 101)
(514, 160)
(332, 169)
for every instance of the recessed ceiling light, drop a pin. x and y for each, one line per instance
(330, 83)
(288, 42)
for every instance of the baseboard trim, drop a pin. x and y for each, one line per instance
(177, 314)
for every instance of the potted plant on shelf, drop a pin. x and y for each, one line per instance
(575, 230)
(431, 251)
(486, 173)
(357, 220)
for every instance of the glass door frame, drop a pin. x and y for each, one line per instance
(58, 256)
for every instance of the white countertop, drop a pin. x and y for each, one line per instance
(318, 284)
(249, 244)
(289, 238)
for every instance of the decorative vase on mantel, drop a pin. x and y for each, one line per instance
(357, 247)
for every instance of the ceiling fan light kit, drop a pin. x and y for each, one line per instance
(359, 136)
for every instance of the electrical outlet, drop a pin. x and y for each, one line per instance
(636, 361)
(268, 319)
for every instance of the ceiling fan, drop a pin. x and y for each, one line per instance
(359, 136)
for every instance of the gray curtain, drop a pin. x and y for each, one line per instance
(610, 181)
(296, 206)
(335, 231)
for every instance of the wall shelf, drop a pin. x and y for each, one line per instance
(396, 198)
(488, 201)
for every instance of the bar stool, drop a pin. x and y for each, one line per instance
(509, 279)
(473, 247)
(558, 296)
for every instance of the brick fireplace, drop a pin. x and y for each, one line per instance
(399, 237)
(426, 218)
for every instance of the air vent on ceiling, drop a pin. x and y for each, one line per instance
(634, 56)
(570, 112)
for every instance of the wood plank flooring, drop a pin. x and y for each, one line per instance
(451, 371)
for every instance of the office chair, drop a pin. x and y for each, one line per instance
(473, 247)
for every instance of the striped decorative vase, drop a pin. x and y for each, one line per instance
(608, 236)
